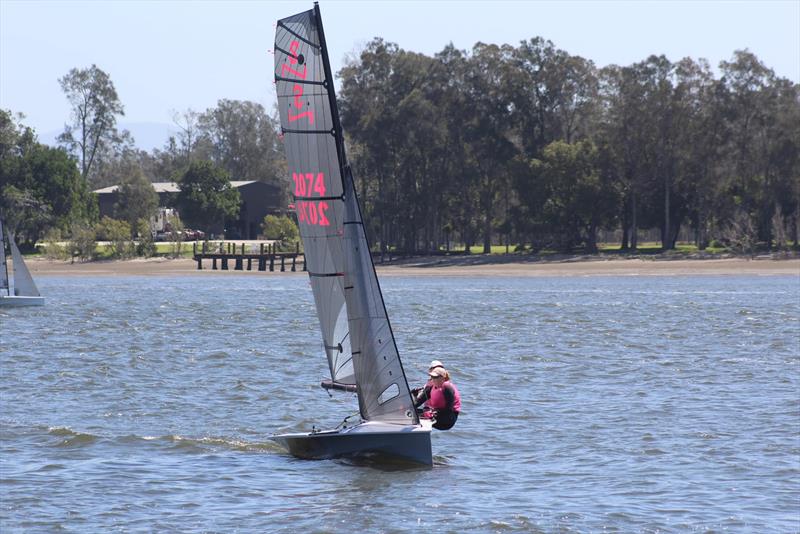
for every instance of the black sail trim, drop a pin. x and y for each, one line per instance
(340, 197)
(324, 275)
(354, 222)
(288, 29)
(323, 83)
(279, 49)
(286, 130)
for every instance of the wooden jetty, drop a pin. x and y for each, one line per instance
(266, 258)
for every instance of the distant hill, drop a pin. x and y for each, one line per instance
(147, 135)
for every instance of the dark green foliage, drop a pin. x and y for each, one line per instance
(136, 200)
(206, 198)
(539, 146)
(40, 186)
(282, 229)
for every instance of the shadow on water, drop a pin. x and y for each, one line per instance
(371, 460)
(381, 462)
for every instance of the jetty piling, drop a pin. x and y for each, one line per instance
(265, 257)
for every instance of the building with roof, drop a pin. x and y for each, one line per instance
(259, 199)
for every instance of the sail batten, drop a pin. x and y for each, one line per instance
(357, 336)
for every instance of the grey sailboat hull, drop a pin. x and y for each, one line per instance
(13, 301)
(410, 443)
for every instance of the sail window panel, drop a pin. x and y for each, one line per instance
(393, 391)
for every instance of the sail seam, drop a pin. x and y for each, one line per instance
(288, 29)
(323, 275)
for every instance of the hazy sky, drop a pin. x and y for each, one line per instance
(173, 55)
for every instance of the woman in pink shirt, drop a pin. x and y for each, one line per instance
(441, 398)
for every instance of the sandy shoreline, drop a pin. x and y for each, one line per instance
(460, 266)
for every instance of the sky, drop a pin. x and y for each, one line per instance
(169, 56)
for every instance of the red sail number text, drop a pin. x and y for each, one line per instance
(310, 184)
(297, 90)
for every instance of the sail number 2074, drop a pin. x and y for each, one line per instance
(309, 184)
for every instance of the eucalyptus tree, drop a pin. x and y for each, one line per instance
(785, 154)
(664, 206)
(699, 157)
(387, 112)
(206, 198)
(457, 194)
(365, 90)
(622, 129)
(242, 139)
(489, 130)
(576, 197)
(136, 200)
(92, 132)
(762, 142)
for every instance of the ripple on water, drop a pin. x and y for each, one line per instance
(622, 404)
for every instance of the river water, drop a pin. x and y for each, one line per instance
(630, 404)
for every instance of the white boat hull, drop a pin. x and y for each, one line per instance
(9, 301)
(404, 442)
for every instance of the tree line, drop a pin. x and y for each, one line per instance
(524, 144)
(536, 146)
(47, 191)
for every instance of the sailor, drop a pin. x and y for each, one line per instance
(441, 398)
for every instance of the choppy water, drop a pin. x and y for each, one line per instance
(632, 404)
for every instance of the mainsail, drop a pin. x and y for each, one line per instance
(23, 281)
(3, 267)
(356, 333)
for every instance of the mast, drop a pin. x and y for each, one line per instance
(329, 86)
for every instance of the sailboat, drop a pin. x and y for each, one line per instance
(357, 336)
(16, 287)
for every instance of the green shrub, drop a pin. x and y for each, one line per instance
(145, 245)
(53, 248)
(82, 242)
(118, 234)
(281, 229)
